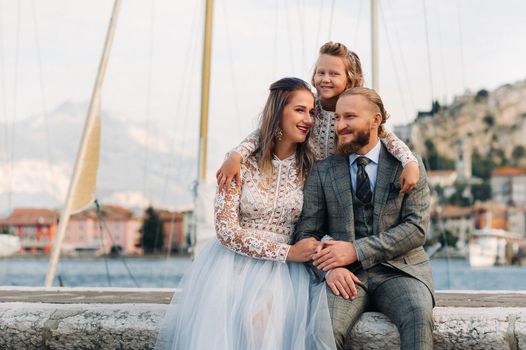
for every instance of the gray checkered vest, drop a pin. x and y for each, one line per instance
(363, 216)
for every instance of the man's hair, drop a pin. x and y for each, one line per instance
(373, 97)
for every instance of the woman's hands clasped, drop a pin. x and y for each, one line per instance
(302, 251)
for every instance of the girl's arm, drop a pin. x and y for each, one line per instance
(230, 169)
(411, 173)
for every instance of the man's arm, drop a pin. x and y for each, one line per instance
(410, 233)
(312, 222)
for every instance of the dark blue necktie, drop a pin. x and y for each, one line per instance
(363, 185)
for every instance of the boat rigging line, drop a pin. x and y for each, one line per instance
(52, 177)
(393, 62)
(430, 71)
(231, 68)
(104, 226)
(15, 98)
(402, 60)
(148, 110)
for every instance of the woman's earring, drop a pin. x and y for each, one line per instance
(279, 134)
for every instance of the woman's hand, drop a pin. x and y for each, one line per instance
(230, 169)
(409, 177)
(303, 250)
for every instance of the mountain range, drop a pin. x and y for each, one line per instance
(135, 170)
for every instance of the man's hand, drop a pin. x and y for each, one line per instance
(335, 254)
(343, 282)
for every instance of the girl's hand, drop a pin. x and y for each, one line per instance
(230, 169)
(303, 250)
(409, 177)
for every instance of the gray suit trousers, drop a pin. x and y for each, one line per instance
(405, 300)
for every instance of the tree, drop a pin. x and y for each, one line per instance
(458, 197)
(448, 239)
(482, 166)
(481, 192)
(435, 107)
(518, 153)
(152, 238)
(489, 120)
(481, 96)
(434, 160)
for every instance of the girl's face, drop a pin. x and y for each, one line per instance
(297, 119)
(330, 79)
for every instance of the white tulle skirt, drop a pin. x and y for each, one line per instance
(230, 301)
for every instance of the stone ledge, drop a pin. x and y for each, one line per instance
(83, 295)
(33, 325)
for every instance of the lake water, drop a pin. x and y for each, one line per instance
(154, 273)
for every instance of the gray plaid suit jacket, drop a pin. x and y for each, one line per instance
(400, 221)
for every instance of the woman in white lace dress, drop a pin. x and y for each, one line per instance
(248, 289)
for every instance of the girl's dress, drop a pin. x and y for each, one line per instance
(240, 293)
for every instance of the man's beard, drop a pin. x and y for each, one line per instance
(346, 149)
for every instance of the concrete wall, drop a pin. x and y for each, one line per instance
(109, 324)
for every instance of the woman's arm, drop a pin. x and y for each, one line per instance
(234, 237)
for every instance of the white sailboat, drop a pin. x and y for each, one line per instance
(83, 182)
(489, 247)
(9, 245)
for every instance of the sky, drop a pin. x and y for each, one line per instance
(429, 49)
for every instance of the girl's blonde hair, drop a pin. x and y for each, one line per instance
(353, 66)
(281, 92)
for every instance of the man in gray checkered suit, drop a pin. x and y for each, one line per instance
(375, 259)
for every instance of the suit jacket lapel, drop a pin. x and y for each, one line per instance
(341, 182)
(386, 175)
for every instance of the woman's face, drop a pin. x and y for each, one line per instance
(297, 118)
(330, 78)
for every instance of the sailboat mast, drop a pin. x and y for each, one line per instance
(374, 45)
(205, 90)
(91, 124)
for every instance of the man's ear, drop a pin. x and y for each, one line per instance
(377, 120)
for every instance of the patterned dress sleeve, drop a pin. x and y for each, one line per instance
(398, 148)
(248, 145)
(231, 235)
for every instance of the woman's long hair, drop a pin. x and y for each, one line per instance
(280, 94)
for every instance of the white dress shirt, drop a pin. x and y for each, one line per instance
(371, 169)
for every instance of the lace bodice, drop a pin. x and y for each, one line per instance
(323, 140)
(257, 218)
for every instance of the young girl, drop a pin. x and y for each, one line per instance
(248, 288)
(336, 70)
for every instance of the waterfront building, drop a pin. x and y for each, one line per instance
(35, 227)
(508, 185)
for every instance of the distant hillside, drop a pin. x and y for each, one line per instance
(492, 122)
(41, 177)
